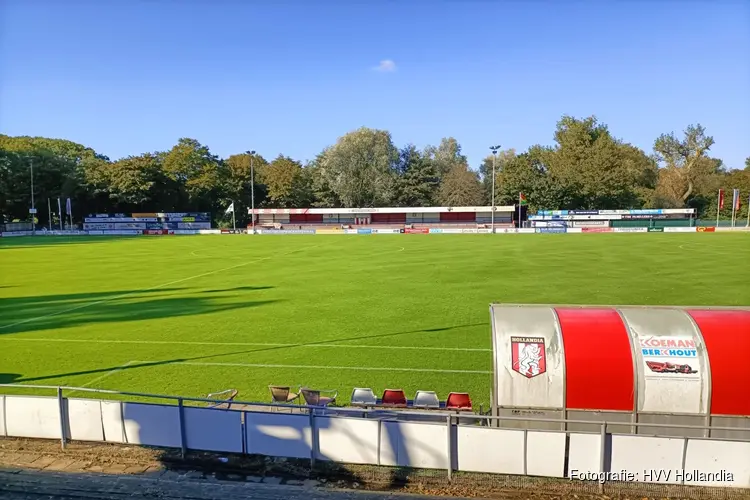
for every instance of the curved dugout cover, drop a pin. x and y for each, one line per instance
(658, 361)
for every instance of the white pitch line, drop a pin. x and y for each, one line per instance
(321, 367)
(251, 344)
(182, 280)
(108, 374)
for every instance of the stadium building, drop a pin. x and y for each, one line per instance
(394, 217)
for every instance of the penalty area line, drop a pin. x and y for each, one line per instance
(311, 345)
(321, 367)
(102, 377)
(182, 280)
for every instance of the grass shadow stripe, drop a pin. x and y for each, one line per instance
(254, 344)
(324, 367)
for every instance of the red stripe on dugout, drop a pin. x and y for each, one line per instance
(727, 338)
(598, 360)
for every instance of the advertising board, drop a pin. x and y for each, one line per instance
(8, 234)
(575, 230)
(364, 231)
(630, 230)
(329, 231)
(526, 230)
(596, 229)
(224, 231)
(436, 231)
(558, 230)
(386, 231)
(188, 231)
(702, 229)
(156, 232)
(655, 229)
(468, 231)
(417, 230)
(287, 231)
(452, 231)
(679, 230)
(209, 231)
(98, 226)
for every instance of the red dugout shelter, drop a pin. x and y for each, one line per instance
(629, 364)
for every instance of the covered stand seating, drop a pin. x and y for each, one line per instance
(627, 365)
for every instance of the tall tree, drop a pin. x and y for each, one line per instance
(417, 182)
(681, 156)
(288, 186)
(360, 168)
(460, 188)
(485, 171)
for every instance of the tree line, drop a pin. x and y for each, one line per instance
(586, 168)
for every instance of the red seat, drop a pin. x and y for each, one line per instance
(394, 397)
(458, 401)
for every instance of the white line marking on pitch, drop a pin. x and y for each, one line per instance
(253, 344)
(182, 280)
(318, 367)
(102, 377)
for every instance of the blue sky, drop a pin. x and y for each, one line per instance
(130, 76)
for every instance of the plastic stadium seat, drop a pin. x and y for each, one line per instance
(282, 394)
(312, 397)
(426, 399)
(363, 397)
(458, 401)
(394, 397)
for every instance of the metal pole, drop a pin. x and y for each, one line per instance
(602, 453)
(181, 423)
(494, 158)
(450, 448)
(33, 206)
(748, 213)
(252, 189)
(61, 409)
(718, 207)
(234, 225)
(49, 209)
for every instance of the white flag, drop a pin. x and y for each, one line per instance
(230, 209)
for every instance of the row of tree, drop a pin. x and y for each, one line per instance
(586, 168)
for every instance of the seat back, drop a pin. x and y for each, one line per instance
(458, 401)
(394, 397)
(280, 394)
(426, 399)
(363, 397)
(312, 397)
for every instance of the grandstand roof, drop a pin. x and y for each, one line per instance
(381, 210)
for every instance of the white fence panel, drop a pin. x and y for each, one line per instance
(278, 435)
(481, 449)
(584, 454)
(151, 425)
(2, 416)
(349, 440)
(33, 417)
(731, 457)
(545, 454)
(114, 431)
(210, 429)
(647, 456)
(84, 420)
(413, 444)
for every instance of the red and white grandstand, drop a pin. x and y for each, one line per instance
(426, 217)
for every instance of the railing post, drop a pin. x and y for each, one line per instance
(313, 439)
(380, 433)
(525, 451)
(181, 413)
(61, 408)
(684, 457)
(602, 455)
(450, 448)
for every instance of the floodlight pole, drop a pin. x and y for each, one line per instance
(33, 206)
(494, 150)
(252, 188)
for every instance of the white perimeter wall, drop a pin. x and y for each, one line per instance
(370, 441)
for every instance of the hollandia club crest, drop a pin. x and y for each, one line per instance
(528, 356)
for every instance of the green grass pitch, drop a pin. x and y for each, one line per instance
(197, 314)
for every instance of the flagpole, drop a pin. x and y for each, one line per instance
(59, 213)
(234, 225)
(69, 207)
(734, 204)
(519, 210)
(748, 213)
(49, 209)
(718, 208)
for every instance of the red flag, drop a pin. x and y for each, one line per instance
(721, 199)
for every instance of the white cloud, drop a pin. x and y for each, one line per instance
(386, 66)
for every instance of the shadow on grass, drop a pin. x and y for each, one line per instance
(9, 378)
(21, 242)
(26, 314)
